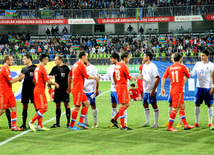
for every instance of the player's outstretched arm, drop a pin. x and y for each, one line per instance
(94, 77)
(53, 83)
(140, 77)
(162, 86)
(21, 76)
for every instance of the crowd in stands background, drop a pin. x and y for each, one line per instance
(19, 44)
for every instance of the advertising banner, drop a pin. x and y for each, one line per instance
(81, 21)
(188, 18)
(209, 17)
(33, 21)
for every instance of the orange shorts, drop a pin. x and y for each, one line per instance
(7, 100)
(177, 99)
(122, 94)
(40, 100)
(79, 97)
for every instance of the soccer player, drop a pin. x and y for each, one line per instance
(121, 74)
(170, 100)
(204, 91)
(27, 86)
(140, 82)
(40, 100)
(61, 71)
(50, 92)
(78, 74)
(176, 72)
(91, 91)
(134, 93)
(151, 79)
(7, 98)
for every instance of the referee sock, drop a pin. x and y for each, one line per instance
(172, 118)
(74, 117)
(68, 115)
(197, 112)
(24, 116)
(210, 114)
(83, 113)
(183, 117)
(58, 115)
(114, 112)
(13, 118)
(122, 117)
(8, 115)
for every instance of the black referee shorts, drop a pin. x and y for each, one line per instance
(27, 96)
(61, 96)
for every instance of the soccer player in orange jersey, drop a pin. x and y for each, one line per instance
(121, 75)
(78, 74)
(40, 100)
(7, 98)
(176, 72)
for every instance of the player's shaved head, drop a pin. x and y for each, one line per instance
(206, 52)
(115, 56)
(6, 57)
(124, 55)
(177, 56)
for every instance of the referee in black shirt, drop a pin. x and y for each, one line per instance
(27, 86)
(61, 71)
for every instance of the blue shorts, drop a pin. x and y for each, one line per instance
(202, 94)
(114, 98)
(92, 101)
(169, 99)
(148, 99)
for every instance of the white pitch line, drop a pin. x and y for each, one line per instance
(25, 132)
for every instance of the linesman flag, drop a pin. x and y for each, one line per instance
(139, 14)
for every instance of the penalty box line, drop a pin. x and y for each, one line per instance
(25, 132)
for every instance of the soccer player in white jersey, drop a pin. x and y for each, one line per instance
(91, 90)
(151, 79)
(114, 58)
(204, 90)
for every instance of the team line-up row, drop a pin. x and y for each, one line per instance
(85, 83)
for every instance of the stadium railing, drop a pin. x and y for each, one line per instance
(110, 12)
(106, 61)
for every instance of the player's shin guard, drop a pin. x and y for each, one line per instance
(58, 115)
(74, 117)
(197, 112)
(83, 113)
(182, 116)
(7, 112)
(13, 118)
(24, 116)
(210, 114)
(122, 117)
(68, 115)
(172, 118)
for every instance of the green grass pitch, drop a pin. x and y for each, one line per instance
(103, 140)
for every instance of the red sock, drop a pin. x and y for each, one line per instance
(172, 118)
(74, 117)
(38, 115)
(122, 117)
(83, 113)
(13, 118)
(183, 117)
(117, 115)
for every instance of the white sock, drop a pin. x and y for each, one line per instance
(147, 114)
(197, 112)
(170, 109)
(114, 112)
(210, 114)
(125, 113)
(95, 114)
(156, 115)
(86, 118)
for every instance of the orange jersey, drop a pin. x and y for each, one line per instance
(78, 74)
(40, 78)
(5, 77)
(140, 82)
(176, 72)
(121, 73)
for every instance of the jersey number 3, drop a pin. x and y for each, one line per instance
(174, 76)
(117, 75)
